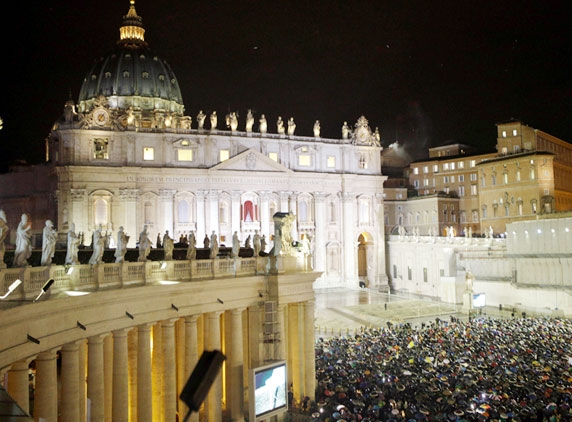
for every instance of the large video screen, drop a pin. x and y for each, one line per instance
(479, 300)
(268, 390)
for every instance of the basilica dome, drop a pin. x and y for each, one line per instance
(131, 76)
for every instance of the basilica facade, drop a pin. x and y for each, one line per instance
(127, 155)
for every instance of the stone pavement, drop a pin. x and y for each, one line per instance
(345, 311)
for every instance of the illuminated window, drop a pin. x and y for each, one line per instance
(304, 160)
(425, 169)
(362, 161)
(425, 182)
(445, 166)
(473, 163)
(461, 164)
(148, 154)
(473, 177)
(461, 190)
(185, 154)
(504, 133)
(461, 178)
(273, 156)
(514, 132)
(223, 155)
(331, 162)
(505, 178)
(452, 166)
(473, 189)
(436, 168)
(415, 170)
(100, 149)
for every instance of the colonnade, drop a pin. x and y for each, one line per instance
(136, 373)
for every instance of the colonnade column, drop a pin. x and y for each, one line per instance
(19, 384)
(69, 383)
(235, 367)
(132, 348)
(46, 393)
(309, 352)
(282, 330)
(212, 339)
(144, 378)
(95, 379)
(120, 406)
(191, 356)
(169, 371)
(295, 337)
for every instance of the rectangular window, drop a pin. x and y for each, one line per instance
(446, 179)
(331, 162)
(185, 154)
(514, 132)
(223, 155)
(473, 163)
(425, 182)
(304, 160)
(461, 178)
(416, 183)
(473, 190)
(461, 190)
(452, 166)
(504, 133)
(425, 278)
(425, 169)
(415, 170)
(445, 166)
(436, 168)
(409, 273)
(148, 154)
(100, 149)
(473, 177)
(273, 156)
(461, 164)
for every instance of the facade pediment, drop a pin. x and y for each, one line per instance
(251, 160)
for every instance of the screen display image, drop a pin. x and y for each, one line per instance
(479, 300)
(270, 390)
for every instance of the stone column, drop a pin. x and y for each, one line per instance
(46, 393)
(320, 235)
(167, 197)
(128, 212)
(120, 405)
(212, 338)
(144, 378)
(157, 372)
(95, 379)
(202, 222)
(69, 386)
(295, 342)
(19, 384)
(349, 206)
(191, 357)
(82, 378)
(265, 217)
(132, 350)
(282, 330)
(309, 352)
(212, 207)
(235, 367)
(108, 376)
(169, 371)
(235, 212)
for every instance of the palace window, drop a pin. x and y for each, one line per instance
(100, 149)
(185, 154)
(304, 160)
(331, 162)
(148, 153)
(223, 155)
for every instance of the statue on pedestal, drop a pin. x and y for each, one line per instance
(121, 247)
(49, 238)
(168, 246)
(214, 245)
(263, 124)
(23, 249)
(291, 126)
(280, 126)
(144, 245)
(249, 121)
(317, 129)
(214, 120)
(192, 248)
(4, 230)
(256, 242)
(201, 119)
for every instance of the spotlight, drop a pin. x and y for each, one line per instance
(12, 287)
(45, 289)
(33, 339)
(80, 325)
(219, 301)
(174, 307)
(129, 315)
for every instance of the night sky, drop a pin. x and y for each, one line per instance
(425, 73)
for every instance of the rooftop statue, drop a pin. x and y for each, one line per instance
(249, 121)
(317, 129)
(280, 125)
(291, 126)
(345, 131)
(263, 128)
(214, 120)
(23, 249)
(201, 119)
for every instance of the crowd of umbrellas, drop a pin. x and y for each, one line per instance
(486, 369)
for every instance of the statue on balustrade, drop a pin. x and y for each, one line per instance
(168, 246)
(249, 121)
(98, 247)
(247, 244)
(144, 245)
(4, 230)
(291, 126)
(214, 245)
(23, 249)
(263, 243)
(256, 243)
(49, 238)
(263, 124)
(201, 119)
(317, 129)
(121, 248)
(280, 126)
(192, 248)
(345, 131)
(214, 120)
(235, 245)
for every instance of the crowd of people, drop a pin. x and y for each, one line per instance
(486, 369)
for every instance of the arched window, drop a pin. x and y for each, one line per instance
(101, 215)
(303, 211)
(248, 211)
(183, 212)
